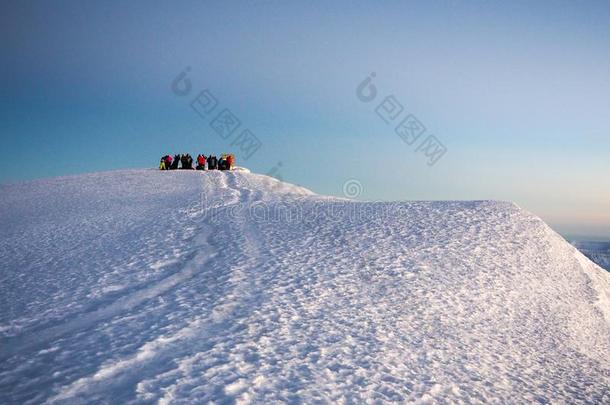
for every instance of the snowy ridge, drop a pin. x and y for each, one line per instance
(146, 286)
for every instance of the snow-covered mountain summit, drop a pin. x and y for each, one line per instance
(187, 286)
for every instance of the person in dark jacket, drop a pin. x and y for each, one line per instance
(175, 162)
(189, 161)
(212, 162)
(184, 162)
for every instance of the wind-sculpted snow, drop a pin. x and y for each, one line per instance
(146, 286)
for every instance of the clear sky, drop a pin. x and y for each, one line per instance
(518, 92)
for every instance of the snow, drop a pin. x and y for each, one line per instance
(144, 286)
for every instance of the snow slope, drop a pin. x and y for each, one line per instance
(146, 286)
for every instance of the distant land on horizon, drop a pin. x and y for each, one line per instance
(597, 251)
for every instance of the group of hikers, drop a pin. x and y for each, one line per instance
(185, 161)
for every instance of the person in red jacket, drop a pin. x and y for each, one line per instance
(201, 162)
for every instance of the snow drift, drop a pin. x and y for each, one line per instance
(146, 286)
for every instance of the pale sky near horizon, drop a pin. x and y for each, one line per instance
(517, 92)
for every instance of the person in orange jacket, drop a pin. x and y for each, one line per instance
(230, 161)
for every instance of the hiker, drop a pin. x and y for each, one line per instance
(186, 162)
(222, 162)
(175, 162)
(189, 161)
(230, 161)
(168, 161)
(162, 164)
(212, 162)
(201, 162)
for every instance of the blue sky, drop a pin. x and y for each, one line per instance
(518, 93)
